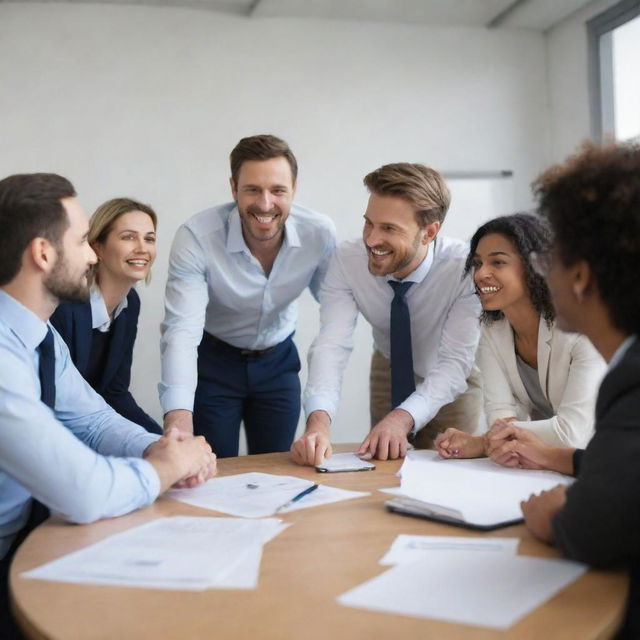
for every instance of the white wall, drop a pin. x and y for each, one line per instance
(569, 80)
(148, 102)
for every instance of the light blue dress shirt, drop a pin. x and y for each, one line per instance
(64, 458)
(444, 326)
(216, 284)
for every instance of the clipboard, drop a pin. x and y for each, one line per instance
(418, 509)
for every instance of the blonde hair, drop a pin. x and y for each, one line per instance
(424, 188)
(106, 214)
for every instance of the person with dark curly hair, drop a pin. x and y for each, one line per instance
(593, 204)
(534, 375)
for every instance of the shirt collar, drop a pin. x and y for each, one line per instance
(421, 271)
(235, 239)
(25, 324)
(620, 352)
(99, 315)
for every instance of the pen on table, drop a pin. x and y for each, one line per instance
(297, 497)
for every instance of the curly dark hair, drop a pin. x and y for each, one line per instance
(528, 233)
(592, 201)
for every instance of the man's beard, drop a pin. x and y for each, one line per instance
(60, 284)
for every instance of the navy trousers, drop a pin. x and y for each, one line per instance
(262, 391)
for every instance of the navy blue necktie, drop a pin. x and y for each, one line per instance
(402, 378)
(47, 370)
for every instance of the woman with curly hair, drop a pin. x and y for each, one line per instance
(534, 375)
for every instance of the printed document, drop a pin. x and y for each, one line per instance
(410, 548)
(182, 552)
(258, 495)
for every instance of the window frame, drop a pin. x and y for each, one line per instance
(600, 49)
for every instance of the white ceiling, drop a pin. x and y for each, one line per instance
(528, 14)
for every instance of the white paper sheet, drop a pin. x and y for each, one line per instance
(185, 553)
(484, 589)
(256, 495)
(409, 548)
(484, 492)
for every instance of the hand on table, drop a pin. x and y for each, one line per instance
(388, 439)
(454, 443)
(539, 511)
(513, 446)
(181, 460)
(315, 444)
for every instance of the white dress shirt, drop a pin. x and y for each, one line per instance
(65, 458)
(99, 315)
(217, 284)
(445, 329)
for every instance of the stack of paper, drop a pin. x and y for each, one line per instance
(479, 582)
(476, 493)
(256, 495)
(185, 553)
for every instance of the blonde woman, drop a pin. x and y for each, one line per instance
(101, 333)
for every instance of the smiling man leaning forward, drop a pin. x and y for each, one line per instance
(236, 271)
(401, 271)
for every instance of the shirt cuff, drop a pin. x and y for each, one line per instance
(137, 448)
(319, 403)
(176, 398)
(420, 410)
(150, 479)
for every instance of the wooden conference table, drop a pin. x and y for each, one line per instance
(328, 550)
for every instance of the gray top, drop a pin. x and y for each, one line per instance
(541, 408)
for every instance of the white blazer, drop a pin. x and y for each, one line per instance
(569, 370)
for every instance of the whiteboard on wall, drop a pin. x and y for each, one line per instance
(474, 201)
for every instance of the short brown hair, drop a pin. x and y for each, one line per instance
(262, 147)
(30, 207)
(592, 201)
(422, 187)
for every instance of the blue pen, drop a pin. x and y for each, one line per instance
(297, 497)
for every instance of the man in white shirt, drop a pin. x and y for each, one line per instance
(235, 274)
(406, 208)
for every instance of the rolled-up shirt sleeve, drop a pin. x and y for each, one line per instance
(186, 300)
(330, 351)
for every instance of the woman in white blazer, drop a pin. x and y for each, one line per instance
(533, 374)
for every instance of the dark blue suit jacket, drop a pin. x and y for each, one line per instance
(73, 322)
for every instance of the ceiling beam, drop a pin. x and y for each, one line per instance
(498, 19)
(252, 7)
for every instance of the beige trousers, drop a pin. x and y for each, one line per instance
(463, 413)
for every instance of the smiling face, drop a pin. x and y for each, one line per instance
(498, 273)
(129, 249)
(264, 194)
(395, 243)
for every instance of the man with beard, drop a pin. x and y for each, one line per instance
(407, 281)
(60, 443)
(235, 274)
